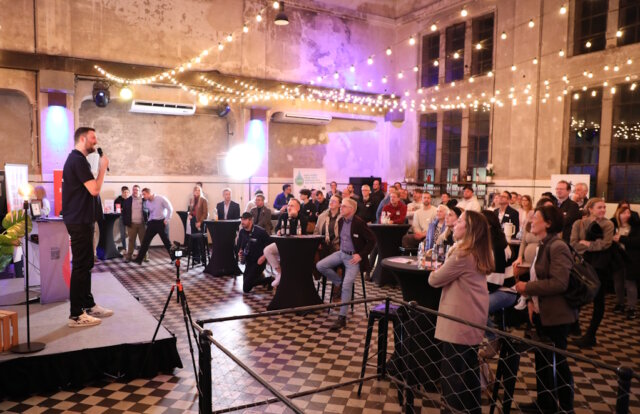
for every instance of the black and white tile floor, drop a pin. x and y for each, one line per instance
(294, 353)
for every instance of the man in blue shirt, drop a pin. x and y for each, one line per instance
(80, 210)
(282, 199)
(160, 211)
(356, 242)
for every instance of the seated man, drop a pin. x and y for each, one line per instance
(250, 246)
(261, 214)
(356, 242)
(321, 202)
(308, 209)
(289, 224)
(282, 199)
(396, 209)
(369, 206)
(416, 204)
(252, 203)
(421, 220)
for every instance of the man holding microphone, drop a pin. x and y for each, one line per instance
(80, 210)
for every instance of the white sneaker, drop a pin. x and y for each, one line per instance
(522, 303)
(99, 312)
(83, 320)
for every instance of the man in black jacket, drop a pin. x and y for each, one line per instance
(250, 247)
(227, 209)
(321, 203)
(356, 242)
(568, 207)
(506, 213)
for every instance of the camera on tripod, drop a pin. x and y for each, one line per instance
(177, 251)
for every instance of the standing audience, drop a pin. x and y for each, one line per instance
(549, 312)
(568, 207)
(462, 278)
(227, 209)
(198, 213)
(135, 216)
(160, 212)
(625, 278)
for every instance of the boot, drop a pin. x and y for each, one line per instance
(340, 323)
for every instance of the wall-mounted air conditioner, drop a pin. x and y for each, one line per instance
(161, 108)
(300, 118)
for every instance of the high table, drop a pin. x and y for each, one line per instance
(296, 286)
(223, 260)
(388, 239)
(418, 359)
(183, 218)
(106, 245)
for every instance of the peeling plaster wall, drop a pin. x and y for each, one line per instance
(15, 130)
(16, 25)
(156, 145)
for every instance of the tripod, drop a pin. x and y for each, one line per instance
(186, 315)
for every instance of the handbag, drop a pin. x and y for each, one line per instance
(583, 282)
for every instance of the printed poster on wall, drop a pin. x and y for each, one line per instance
(309, 178)
(16, 175)
(572, 179)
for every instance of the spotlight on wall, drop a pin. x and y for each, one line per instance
(281, 17)
(126, 93)
(223, 110)
(101, 94)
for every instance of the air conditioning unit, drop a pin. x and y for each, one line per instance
(161, 108)
(300, 118)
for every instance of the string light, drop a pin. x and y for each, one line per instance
(434, 27)
(436, 63)
(619, 33)
(531, 23)
(479, 46)
(535, 61)
(503, 36)
(259, 18)
(370, 60)
(561, 53)
(229, 37)
(563, 9)
(416, 68)
(352, 68)
(245, 28)
(613, 90)
(220, 46)
(456, 55)
(389, 51)
(513, 68)
(464, 12)
(588, 44)
(412, 40)
(276, 5)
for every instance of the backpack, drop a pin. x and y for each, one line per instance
(583, 282)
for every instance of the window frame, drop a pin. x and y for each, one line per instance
(430, 75)
(597, 39)
(482, 60)
(455, 39)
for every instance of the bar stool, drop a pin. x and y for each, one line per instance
(204, 245)
(323, 283)
(378, 314)
(8, 323)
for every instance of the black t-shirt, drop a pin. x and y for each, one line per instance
(78, 205)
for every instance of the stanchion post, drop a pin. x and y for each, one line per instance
(624, 388)
(204, 373)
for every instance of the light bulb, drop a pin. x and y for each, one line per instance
(490, 74)
(259, 18)
(613, 90)
(471, 80)
(478, 46)
(629, 61)
(434, 27)
(513, 68)
(588, 44)
(369, 84)
(245, 28)
(400, 75)
(503, 36)
(464, 12)
(456, 55)
(276, 5)
(619, 33)
(370, 60)
(535, 61)
(126, 93)
(563, 9)
(384, 79)
(336, 75)
(531, 23)
(352, 69)
(388, 51)
(229, 37)
(416, 68)
(436, 63)
(203, 99)
(220, 46)
(412, 40)
(561, 53)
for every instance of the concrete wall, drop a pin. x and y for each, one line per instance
(15, 134)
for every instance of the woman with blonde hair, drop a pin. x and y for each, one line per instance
(592, 237)
(41, 196)
(627, 229)
(463, 279)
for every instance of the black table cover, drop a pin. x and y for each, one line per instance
(223, 260)
(183, 218)
(389, 240)
(106, 244)
(296, 263)
(418, 359)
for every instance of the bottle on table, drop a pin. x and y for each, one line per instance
(421, 255)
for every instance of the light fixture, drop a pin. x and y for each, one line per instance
(456, 55)
(613, 90)
(416, 68)
(561, 53)
(276, 5)
(503, 36)
(126, 93)
(563, 9)
(388, 51)
(229, 37)
(535, 61)
(594, 93)
(490, 74)
(412, 41)
(336, 75)
(281, 17)
(464, 12)
(400, 75)
(352, 69)
(619, 33)
(384, 79)
(513, 68)
(434, 27)
(369, 84)
(101, 95)
(203, 99)
(245, 28)
(531, 23)
(616, 68)
(629, 61)
(588, 44)
(370, 60)
(471, 80)
(220, 46)
(259, 18)
(479, 46)
(436, 63)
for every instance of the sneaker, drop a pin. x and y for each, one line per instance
(619, 309)
(631, 314)
(99, 312)
(83, 320)
(522, 303)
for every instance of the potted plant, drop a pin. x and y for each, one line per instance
(490, 173)
(13, 222)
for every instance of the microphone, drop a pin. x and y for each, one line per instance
(100, 154)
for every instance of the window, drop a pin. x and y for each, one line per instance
(451, 133)
(482, 55)
(624, 169)
(590, 26)
(584, 134)
(430, 62)
(478, 153)
(454, 67)
(427, 144)
(629, 22)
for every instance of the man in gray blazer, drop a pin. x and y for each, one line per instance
(261, 214)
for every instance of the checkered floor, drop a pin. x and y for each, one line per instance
(295, 353)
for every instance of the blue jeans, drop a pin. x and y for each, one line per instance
(327, 267)
(498, 300)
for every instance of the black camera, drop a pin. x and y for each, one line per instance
(177, 251)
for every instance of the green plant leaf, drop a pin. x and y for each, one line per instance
(6, 249)
(4, 261)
